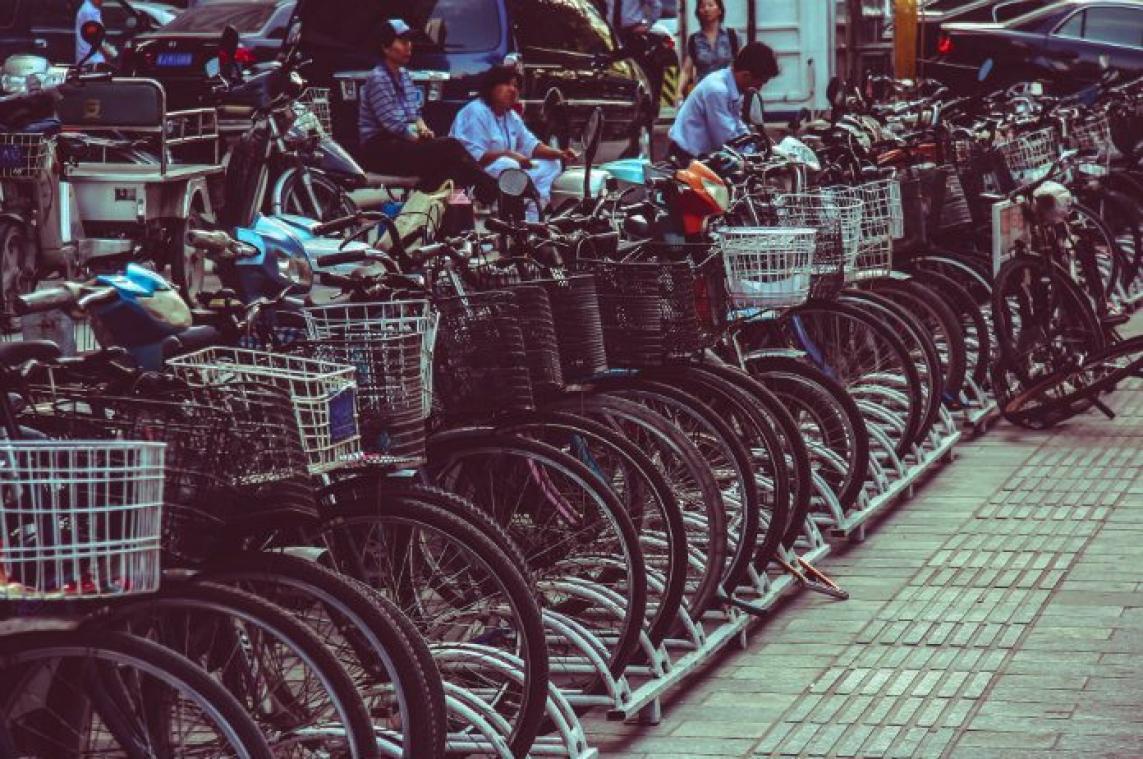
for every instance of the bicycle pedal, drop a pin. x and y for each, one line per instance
(821, 582)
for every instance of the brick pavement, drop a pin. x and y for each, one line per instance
(998, 613)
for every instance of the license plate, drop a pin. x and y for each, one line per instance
(1008, 227)
(343, 416)
(174, 60)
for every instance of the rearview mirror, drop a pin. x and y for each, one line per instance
(1036, 89)
(835, 92)
(93, 33)
(228, 43)
(985, 70)
(213, 68)
(753, 109)
(514, 183)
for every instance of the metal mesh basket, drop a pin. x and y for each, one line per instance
(194, 433)
(882, 222)
(838, 224)
(316, 100)
(25, 156)
(574, 303)
(323, 394)
(382, 321)
(82, 519)
(1029, 156)
(263, 443)
(1091, 133)
(767, 267)
(481, 363)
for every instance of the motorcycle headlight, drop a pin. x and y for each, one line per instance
(295, 270)
(719, 191)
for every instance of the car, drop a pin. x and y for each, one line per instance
(1066, 45)
(176, 55)
(47, 27)
(564, 47)
(932, 18)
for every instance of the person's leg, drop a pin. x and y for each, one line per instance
(445, 158)
(544, 173)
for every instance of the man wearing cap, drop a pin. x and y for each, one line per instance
(395, 138)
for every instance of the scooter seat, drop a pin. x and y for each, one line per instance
(384, 181)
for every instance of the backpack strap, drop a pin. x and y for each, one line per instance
(692, 46)
(733, 42)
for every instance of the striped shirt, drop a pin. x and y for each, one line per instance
(390, 103)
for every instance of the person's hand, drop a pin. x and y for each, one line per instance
(524, 161)
(568, 155)
(424, 133)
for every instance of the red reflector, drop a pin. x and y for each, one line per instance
(945, 45)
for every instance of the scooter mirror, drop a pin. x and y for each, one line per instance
(1036, 89)
(212, 68)
(835, 92)
(515, 183)
(985, 70)
(92, 32)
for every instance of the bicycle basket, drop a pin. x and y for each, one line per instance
(316, 101)
(194, 459)
(481, 363)
(882, 222)
(838, 224)
(25, 156)
(82, 519)
(767, 267)
(1030, 156)
(323, 395)
(1091, 134)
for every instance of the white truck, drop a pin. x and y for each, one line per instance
(802, 32)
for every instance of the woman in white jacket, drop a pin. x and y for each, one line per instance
(493, 132)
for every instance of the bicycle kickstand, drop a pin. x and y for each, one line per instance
(813, 579)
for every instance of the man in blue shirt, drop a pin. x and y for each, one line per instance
(393, 135)
(712, 114)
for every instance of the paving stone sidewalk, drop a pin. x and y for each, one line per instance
(998, 613)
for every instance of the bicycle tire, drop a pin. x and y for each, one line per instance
(146, 616)
(91, 643)
(667, 551)
(941, 321)
(693, 483)
(374, 634)
(782, 423)
(522, 457)
(977, 335)
(812, 393)
(355, 508)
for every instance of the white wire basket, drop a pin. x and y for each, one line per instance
(882, 222)
(381, 322)
(82, 519)
(1091, 133)
(1030, 156)
(323, 394)
(767, 267)
(316, 101)
(837, 221)
(26, 156)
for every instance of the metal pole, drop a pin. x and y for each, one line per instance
(852, 26)
(905, 39)
(752, 20)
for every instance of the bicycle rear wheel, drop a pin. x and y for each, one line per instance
(92, 692)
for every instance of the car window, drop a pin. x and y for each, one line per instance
(245, 17)
(1008, 11)
(573, 25)
(53, 14)
(468, 25)
(1073, 27)
(1121, 26)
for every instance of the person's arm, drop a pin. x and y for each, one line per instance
(685, 77)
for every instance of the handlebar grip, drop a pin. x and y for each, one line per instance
(40, 301)
(337, 225)
(330, 279)
(342, 257)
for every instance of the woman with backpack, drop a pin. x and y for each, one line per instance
(711, 48)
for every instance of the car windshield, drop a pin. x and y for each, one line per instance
(461, 25)
(214, 17)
